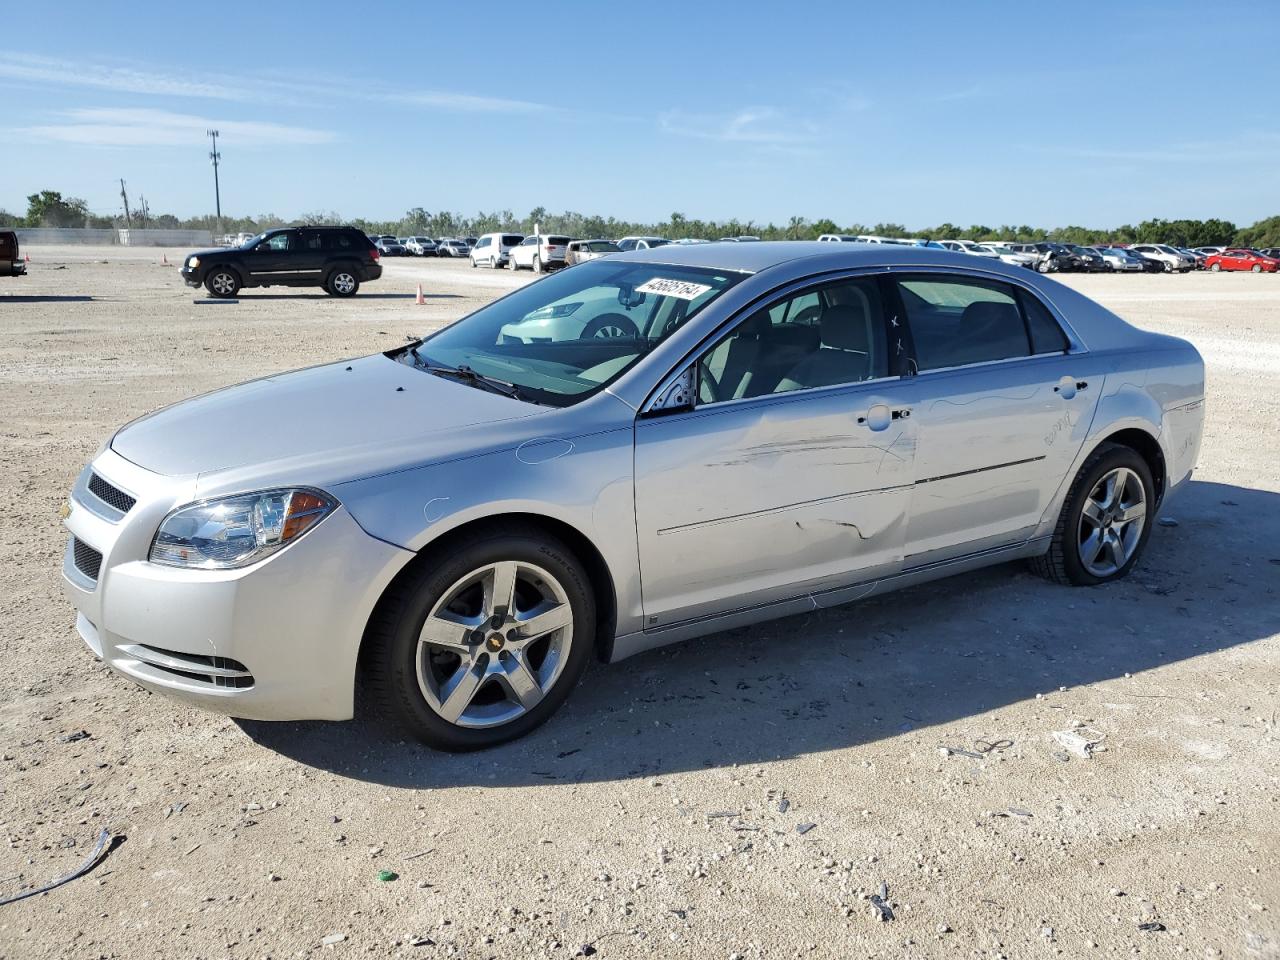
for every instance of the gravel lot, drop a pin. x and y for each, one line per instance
(663, 812)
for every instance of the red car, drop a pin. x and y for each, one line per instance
(1237, 259)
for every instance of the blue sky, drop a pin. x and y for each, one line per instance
(918, 113)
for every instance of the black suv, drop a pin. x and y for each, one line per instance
(336, 258)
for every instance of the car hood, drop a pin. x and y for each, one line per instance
(214, 252)
(354, 418)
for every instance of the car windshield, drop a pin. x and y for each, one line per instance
(602, 246)
(572, 333)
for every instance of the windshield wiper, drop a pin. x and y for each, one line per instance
(468, 375)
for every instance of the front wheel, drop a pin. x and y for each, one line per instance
(483, 642)
(1257, 268)
(1105, 522)
(222, 283)
(342, 283)
(1216, 267)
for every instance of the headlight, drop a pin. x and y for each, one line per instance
(236, 531)
(193, 262)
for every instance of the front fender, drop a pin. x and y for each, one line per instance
(585, 482)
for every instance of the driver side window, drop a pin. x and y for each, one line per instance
(828, 336)
(277, 244)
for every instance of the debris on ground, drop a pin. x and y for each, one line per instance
(880, 904)
(1167, 522)
(90, 862)
(1151, 926)
(803, 828)
(1082, 741)
(333, 938)
(386, 876)
(73, 737)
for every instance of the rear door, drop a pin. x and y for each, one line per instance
(1003, 407)
(308, 256)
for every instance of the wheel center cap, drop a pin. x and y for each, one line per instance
(495, 642)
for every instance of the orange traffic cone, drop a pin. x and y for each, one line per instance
(26, 258)
(421, 299)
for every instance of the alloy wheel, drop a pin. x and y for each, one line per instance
(494, 645)
(223, 284)
(1111, 522)
(344, 283)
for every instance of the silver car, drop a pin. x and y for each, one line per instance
(472, 517)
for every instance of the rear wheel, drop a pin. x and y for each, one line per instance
(222, 282)
(485, 642)
(1216, 267)
(537, 264)
(511, 262)
(1105, 522)
(342, 283)
(1257, 268)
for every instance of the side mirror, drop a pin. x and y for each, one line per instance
(680, 394)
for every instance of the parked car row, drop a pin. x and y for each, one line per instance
(423, 246)
(543, 252)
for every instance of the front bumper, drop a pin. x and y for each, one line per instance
(192, 277)
(274, 641)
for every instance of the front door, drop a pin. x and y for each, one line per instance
(270, 262)
(792, 473)
(1002, 410)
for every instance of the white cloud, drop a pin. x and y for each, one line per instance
(144, 127)
(467, 103)
(750, 125)
(49, 71)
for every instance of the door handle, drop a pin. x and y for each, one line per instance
(879, 416)
(1068, 387)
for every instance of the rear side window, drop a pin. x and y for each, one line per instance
(511, 239)
(1046, 335)
(484, 242)
(309, 240)
(957, 321)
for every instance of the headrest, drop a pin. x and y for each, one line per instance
(989, 312)
(845, 326)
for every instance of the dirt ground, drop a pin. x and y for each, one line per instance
(738, 796)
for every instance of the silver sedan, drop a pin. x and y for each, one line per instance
(733, 432)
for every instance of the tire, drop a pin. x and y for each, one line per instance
(407, 675)
(610, 325)
(537, 264)
(511, 263)
(1216, 267)
(493, 263)
(1071, 558)
(473, 263)
(223, 282)
(1044, 266)
(1257, 268)
(342, 282)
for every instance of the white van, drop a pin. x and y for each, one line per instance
(494, 249)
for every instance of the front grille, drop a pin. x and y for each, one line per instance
(109, 495)
(87, 560)
(212, 670)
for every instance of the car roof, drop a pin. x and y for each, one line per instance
(756, 257)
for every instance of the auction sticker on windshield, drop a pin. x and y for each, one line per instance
(681, 289)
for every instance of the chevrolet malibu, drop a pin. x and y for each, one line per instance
(455, 527)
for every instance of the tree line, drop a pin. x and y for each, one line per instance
(49, 208)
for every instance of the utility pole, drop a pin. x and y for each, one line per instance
(215, 156)
(125, 197)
